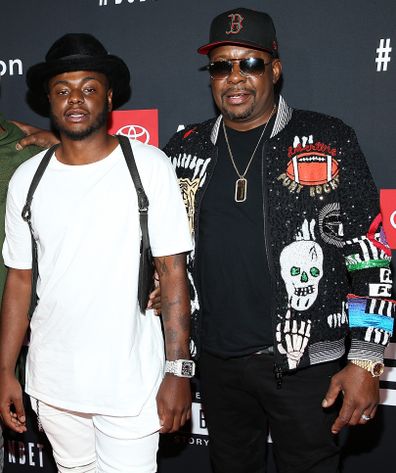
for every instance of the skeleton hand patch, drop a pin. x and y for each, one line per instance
(293, 338)
(338, 319)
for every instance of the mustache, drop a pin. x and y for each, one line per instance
(238, 90)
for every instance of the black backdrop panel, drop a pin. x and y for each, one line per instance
(329, 52)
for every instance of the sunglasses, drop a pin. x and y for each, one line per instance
(251, 66)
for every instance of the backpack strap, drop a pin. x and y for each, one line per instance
(26, 215)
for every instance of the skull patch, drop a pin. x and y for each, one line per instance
(302, 268)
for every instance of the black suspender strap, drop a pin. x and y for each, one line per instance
(26, 215)
(146, 266)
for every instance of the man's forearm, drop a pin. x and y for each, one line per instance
(175, 305)
(14, 320)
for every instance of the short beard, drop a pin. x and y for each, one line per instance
(238, 116)
(232, 116)
(99, 123)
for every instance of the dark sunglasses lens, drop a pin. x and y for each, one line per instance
(252, 66)
(220, 69)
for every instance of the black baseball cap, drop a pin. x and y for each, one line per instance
(242, 27)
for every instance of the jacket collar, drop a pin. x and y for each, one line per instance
(283, 116)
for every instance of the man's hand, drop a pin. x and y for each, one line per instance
(11, 395)
(35, 136)
(361, 396)
(14, 323)
(173, 403)
(154, 301)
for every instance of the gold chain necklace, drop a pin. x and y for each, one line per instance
(240, 193)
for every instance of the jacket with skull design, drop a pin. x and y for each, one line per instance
(326, 247)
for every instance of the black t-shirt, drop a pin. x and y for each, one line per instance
(233, 270)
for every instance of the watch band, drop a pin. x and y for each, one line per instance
(376, 368)
(181, 368)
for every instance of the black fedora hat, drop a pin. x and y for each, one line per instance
(77, 52)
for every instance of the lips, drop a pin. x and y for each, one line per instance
(237, 97)
(76, 115)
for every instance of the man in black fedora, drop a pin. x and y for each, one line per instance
(96, 373)
(290, 265)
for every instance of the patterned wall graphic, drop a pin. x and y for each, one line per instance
(330, 64)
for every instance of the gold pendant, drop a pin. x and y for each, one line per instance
(240, 190)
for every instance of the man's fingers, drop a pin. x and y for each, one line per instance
(367, 415)
(185, 417)
(373, 412)
(154, 301)
(177, 423)
(343, 418)
(332, 394)
(27, 141)
(20, 410)
(172, 421)
(12, 421)
(167, 423)
(44, 139)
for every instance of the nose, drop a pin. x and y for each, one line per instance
(235, 74)
(76, 96)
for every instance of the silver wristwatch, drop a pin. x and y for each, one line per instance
(182, 368)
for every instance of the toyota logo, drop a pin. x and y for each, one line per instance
(393, 219)
(135, 132)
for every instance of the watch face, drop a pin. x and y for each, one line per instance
(187, 369)
(377, 369)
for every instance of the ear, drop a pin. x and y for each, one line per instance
(276, 70)
(110, 99)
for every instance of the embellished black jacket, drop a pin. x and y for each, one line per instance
(326, 248)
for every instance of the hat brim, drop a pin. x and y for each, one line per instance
(247, 44)
(112, 67)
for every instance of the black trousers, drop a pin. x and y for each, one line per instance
(241, 402)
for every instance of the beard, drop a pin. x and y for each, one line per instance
(242, 115)
(100, 122)
(232, 116)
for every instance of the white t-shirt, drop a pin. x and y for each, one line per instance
(91, 349)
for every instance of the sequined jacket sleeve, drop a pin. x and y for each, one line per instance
(367, 257)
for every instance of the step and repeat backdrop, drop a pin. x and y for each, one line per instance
(339, 58)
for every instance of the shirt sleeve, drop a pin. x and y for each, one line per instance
(17, 247)
(367, 258)
(167, 217)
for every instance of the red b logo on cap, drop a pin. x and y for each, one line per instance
(235, 23)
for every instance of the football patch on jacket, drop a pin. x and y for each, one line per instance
(312, 169)
(311, 164)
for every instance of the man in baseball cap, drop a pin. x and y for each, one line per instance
(289, 249)
(96, 373)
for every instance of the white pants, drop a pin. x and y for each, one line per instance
(87, 443)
